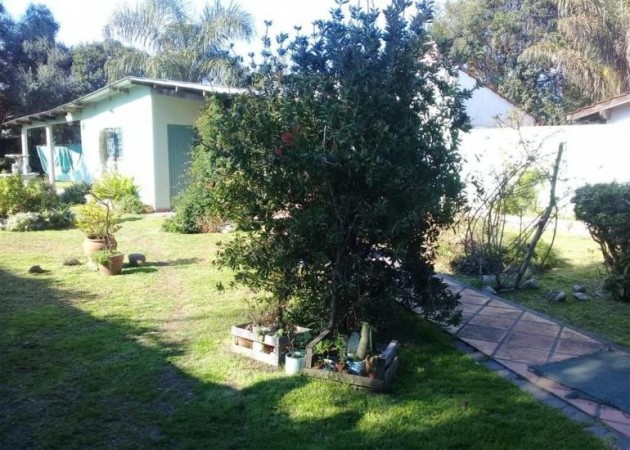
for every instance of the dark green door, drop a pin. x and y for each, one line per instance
(180, 140)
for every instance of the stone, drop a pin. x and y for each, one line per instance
(603, 294)
(71, 262)
(136, 259)
(578, 288)
(489, 290)
(36, 270)
(488, 280)
(581, 296)
(557, 296)
(353, 343)
(532, 283)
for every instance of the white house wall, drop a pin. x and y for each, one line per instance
(168, 110)
(485, 106)
(131, 113)
(620, 115)
(594, 153)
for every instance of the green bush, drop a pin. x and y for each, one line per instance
(75, 193)
(115, 186)
(195, 211)
(129, 204)
(605, 209)
(97, 221)
(37, 221)
(18, 197)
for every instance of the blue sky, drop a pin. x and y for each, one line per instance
(83, 20)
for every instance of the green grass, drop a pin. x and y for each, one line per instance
(581, 263)
(141, 361)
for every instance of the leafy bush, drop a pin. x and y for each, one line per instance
(75, 193)
(605, 209)
(129, 204)
(115, 186)
(33, 196)
(341, 171)
(195, 211)
(37, 221)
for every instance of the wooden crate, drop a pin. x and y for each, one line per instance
(274, 347)
(388, 360)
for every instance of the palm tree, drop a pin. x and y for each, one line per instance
(170, 43)
(592, 48)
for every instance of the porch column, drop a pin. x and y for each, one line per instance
(51, 155)
(26, 168)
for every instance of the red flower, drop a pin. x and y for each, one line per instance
(278, 151)
(287, 138)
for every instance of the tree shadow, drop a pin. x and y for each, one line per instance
(69, 379)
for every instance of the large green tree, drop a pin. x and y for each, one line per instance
(340, 167)
(175, 44)
(592, 48)
(488, 38)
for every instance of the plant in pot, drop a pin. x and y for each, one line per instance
(295, 359)
(110, 262)
(99, 222)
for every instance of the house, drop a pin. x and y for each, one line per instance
(488, 109)
(614, 111)
(141, 127)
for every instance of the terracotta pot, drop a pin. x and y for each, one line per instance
(114, 265)
(91, 246)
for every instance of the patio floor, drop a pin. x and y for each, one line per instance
(516, 338)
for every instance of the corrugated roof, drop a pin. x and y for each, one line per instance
(120, 87)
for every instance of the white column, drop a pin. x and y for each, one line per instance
(51, 155)
(26, 168)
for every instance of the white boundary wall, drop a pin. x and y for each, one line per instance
(594, 153)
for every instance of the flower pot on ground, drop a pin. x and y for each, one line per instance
(99, 223)
(110, 262)
(294, 362)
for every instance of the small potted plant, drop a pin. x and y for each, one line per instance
(110, 262)
(99, 223)
(295, 359)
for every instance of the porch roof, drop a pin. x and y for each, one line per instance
(122, 87)
(600, 110)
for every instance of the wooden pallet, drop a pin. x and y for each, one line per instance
(387, 363)
(272, 348)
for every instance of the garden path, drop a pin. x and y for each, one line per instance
(517, 337)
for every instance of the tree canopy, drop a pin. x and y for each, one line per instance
(174, 44)
(340, 167)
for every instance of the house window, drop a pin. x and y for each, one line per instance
(110, 147)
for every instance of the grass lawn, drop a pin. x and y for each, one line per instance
(141, 361)
(581, 264)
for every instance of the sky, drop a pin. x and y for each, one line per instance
(83, 20)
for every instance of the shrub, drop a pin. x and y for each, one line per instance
(129, 204)
(195, 211)
(605, 209)
(115, 186)
(340, 168)
(37, 221)
(33, 196)
(75, 193)
(97, 221)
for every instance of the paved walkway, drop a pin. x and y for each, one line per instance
(517, 338)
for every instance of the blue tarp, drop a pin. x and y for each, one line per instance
(69, 164)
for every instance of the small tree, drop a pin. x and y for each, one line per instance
(340, 168)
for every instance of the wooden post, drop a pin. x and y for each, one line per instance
(51, 156)
(26, 167)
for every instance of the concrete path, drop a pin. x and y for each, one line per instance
(516, 338)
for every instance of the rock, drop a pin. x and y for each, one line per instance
(578, 288)
(557, 296)
(353, 343)
(532, 283)
(603, 294)
(488, 280)
(71, 262)
(136, 259)
(36, 270)
(489, 290)
(581, 296)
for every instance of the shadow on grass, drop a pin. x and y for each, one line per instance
(71, 380)
(151, 266)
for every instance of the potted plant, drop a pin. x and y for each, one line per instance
(295, 359)
(99, 223)
(110, 262)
